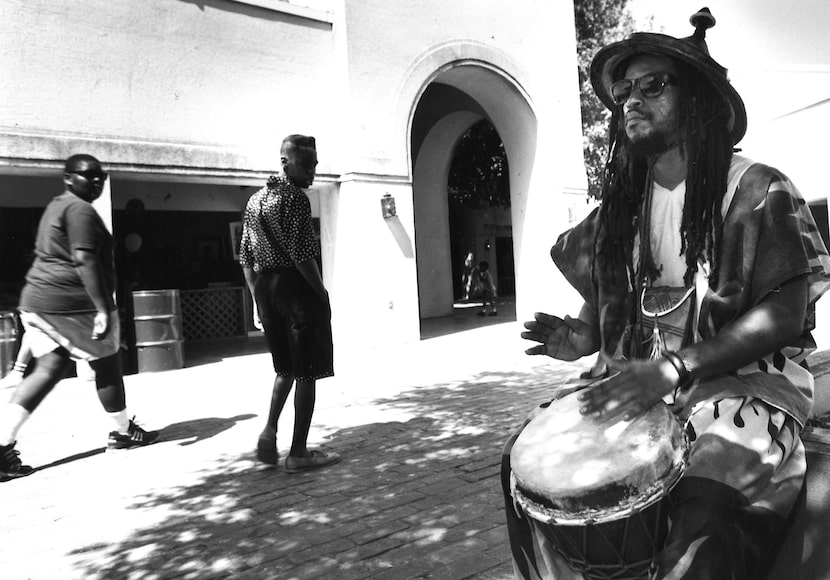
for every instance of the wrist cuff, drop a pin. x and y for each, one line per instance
(682, 366)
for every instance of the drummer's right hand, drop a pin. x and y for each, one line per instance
(565, 339)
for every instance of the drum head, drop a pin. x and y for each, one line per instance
(568, 469)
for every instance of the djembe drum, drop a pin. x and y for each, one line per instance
(599, 491)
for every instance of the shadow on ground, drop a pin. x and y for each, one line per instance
(190, 432)
(71, 458)
(413, 498)
(197, 353)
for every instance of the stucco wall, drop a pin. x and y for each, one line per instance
(532, 41)
(369, 265)
(220, 78)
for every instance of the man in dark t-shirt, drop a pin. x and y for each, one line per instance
(278, 258)
(68, 312)
(54, 266)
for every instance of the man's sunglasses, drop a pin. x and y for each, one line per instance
(651, 85)
(91, 174)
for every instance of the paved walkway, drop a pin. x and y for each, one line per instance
(417, 495)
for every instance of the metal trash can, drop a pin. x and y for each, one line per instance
(8, 342)
(157, 316)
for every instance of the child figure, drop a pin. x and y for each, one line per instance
(488, 290)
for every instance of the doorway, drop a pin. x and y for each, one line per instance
(458, 98)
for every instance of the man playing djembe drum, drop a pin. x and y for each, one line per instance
(699, 273)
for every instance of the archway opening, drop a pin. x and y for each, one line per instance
(459, 98)
(479, 214)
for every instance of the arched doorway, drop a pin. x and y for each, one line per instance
(458, 96)
(480, 223)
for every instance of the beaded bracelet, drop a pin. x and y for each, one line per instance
(682, 366)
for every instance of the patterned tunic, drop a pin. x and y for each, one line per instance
(278, 234)
(285, 210)
(769, 238)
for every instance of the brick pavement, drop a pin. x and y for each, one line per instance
(417, 494)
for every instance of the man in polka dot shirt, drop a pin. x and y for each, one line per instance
(278, 258)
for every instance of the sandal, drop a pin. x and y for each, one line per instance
(313, 460)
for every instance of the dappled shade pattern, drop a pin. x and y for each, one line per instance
(412, 498)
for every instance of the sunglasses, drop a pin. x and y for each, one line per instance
(651, 85)
(91, 174)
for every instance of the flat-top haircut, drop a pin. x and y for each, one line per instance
(294, 141)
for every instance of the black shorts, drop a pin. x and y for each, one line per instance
(297, 325)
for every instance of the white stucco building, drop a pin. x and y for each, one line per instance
(186, 103)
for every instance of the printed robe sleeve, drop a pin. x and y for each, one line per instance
(573, 254)
(770, 237)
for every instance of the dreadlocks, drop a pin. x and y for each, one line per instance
(703, 118)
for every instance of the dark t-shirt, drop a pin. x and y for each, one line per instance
(53, 283)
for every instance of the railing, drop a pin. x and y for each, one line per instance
(214, 313)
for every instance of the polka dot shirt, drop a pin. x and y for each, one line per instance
(285, 210)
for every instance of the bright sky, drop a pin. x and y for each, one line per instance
(750, 33)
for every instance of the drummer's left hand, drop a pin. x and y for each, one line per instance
(633, 387)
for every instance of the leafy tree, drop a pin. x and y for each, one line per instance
(478, 174)
(598, 23)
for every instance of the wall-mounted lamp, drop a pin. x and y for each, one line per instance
(387, 205)
(487, 245)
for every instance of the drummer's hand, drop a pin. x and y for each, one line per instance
(565, 339)
(634, 387)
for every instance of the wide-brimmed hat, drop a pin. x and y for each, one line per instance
(691, 50)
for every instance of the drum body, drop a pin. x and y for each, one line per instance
(621, 548)
(599, 493)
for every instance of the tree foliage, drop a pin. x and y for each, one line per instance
(478, 173)
(598, 23)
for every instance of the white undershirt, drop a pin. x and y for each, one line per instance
(666, 217)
